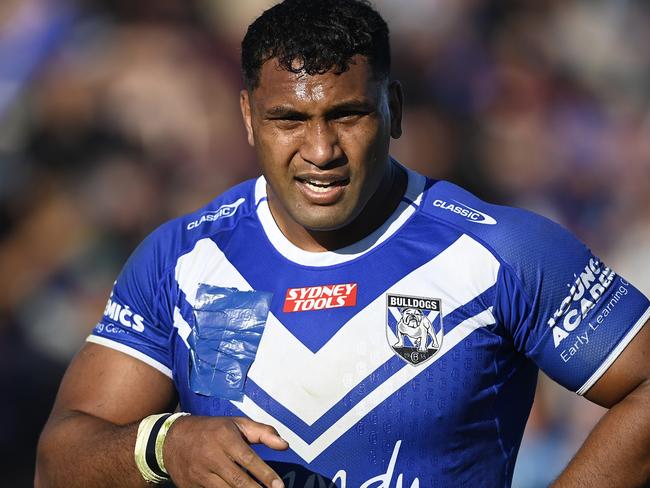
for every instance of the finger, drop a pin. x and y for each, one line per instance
(257, 433)
(214, 480)
(244, 456)
(236, 477)
(227, 471)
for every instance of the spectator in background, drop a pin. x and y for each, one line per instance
(548, 97)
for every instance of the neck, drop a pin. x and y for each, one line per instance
(378, 209)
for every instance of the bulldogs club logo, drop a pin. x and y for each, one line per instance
(417, 324)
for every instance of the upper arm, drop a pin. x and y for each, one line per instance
(561, 307)
(123, 372)
(631, 369)
(564, 308)
(113, 386)
(121, 375)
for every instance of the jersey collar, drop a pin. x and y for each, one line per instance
(408, 205)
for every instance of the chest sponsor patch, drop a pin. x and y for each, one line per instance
(320, 297)
(414, 327)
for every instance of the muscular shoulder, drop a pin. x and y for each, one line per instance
(178, 236)
(147, 286)
(523, 241)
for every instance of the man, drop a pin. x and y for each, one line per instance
(343, 321)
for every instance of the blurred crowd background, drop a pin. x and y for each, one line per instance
(116, 115)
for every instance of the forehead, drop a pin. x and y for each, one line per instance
(278, 86)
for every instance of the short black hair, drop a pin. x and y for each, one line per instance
(320, 35)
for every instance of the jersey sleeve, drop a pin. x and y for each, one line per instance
(563, 307)
(136, 319)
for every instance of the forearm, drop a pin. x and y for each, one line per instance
(79, 450)
(617, 451)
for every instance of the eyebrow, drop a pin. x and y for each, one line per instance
(344, 106)
(281, 111)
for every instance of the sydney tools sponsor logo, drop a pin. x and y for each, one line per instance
(124, 315)
(320, 297)
(585, 292)
(227, 210)
(470, 214)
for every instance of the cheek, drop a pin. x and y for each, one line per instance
(275, 150)
(366, 143)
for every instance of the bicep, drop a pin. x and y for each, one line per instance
(113, 386)
(631, 369)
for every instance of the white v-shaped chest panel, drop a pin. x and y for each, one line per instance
(308, 384)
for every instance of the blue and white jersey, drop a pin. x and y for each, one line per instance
(408, 359)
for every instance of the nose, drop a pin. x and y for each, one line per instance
(320, 145)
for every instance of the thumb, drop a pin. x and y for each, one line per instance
(257, 433)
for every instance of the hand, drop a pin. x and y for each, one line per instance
(215, 452)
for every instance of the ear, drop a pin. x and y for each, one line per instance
(395, 103)
(245, 106)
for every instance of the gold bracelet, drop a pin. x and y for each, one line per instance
(160, 438)
(149, 446)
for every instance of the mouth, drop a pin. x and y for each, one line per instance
(322, 190)
(322, 186)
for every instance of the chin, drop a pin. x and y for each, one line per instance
(322, 223)
(323, 226)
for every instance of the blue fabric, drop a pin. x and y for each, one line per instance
(544, 265)
(354, 412)
(226, 334)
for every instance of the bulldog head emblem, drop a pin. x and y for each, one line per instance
(414, 327)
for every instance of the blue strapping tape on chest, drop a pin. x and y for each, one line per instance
(227, 329)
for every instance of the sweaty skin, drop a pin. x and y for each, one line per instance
(617, 451)
(322, 142)
(90, 436)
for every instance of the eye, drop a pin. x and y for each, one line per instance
(288, 121)
(349, 115)
(289, 118)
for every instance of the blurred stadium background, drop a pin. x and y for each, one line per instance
(116, 115)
